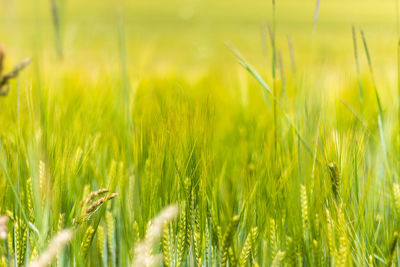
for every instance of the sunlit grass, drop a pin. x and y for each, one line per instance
(289, 160)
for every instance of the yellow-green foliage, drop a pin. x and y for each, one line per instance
(130, 106)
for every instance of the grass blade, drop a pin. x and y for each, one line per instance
(378, 100)
(57, 29)
(267, 90)
(316, 12)
(357, 62)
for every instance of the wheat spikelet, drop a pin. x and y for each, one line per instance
(198, 247)
(396, 194)
(188, 186)
(4, 79)
(342, 252)
(10, 245)
(135, 230)
(13, 74)
(100, 241)
(254, 236)
(207, 243)
(29, 200)
(42, 175)
(24, 244)
(94, 206)
(42, 181)
(304, 207)
(272, 237)
(232, 257)
(212, 217)
(55, 246)
(198, 237)
(331, 239)
(99, 202)
(92, 195)
(227, 240)
(143, 250)
(278, 259)
(20, 240)
(60, 225)
(181, 237)
(299, 253)
(110, 235)
(191, 213)
(166, 246)
(246, 250)
(290, 252)
(335, 178)
(34, 251)
(219, 236)
(342, 257)
(87, 240)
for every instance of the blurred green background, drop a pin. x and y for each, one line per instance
(186, 38)
(183, 35)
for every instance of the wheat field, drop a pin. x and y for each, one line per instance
(199, 133)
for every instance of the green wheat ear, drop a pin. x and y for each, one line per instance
(396, 195)
(198, 246)
(273, 237)
(334, 173)
(343, 251)
(110, 236)
(29, 200)
(232, 257)
(87, 240)
(290, 257)
(100, 243)
(227, 239)
(280, 255)
(181, 238)
(304, 208)
(247, 247)
(330, 237)
(166, 246)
